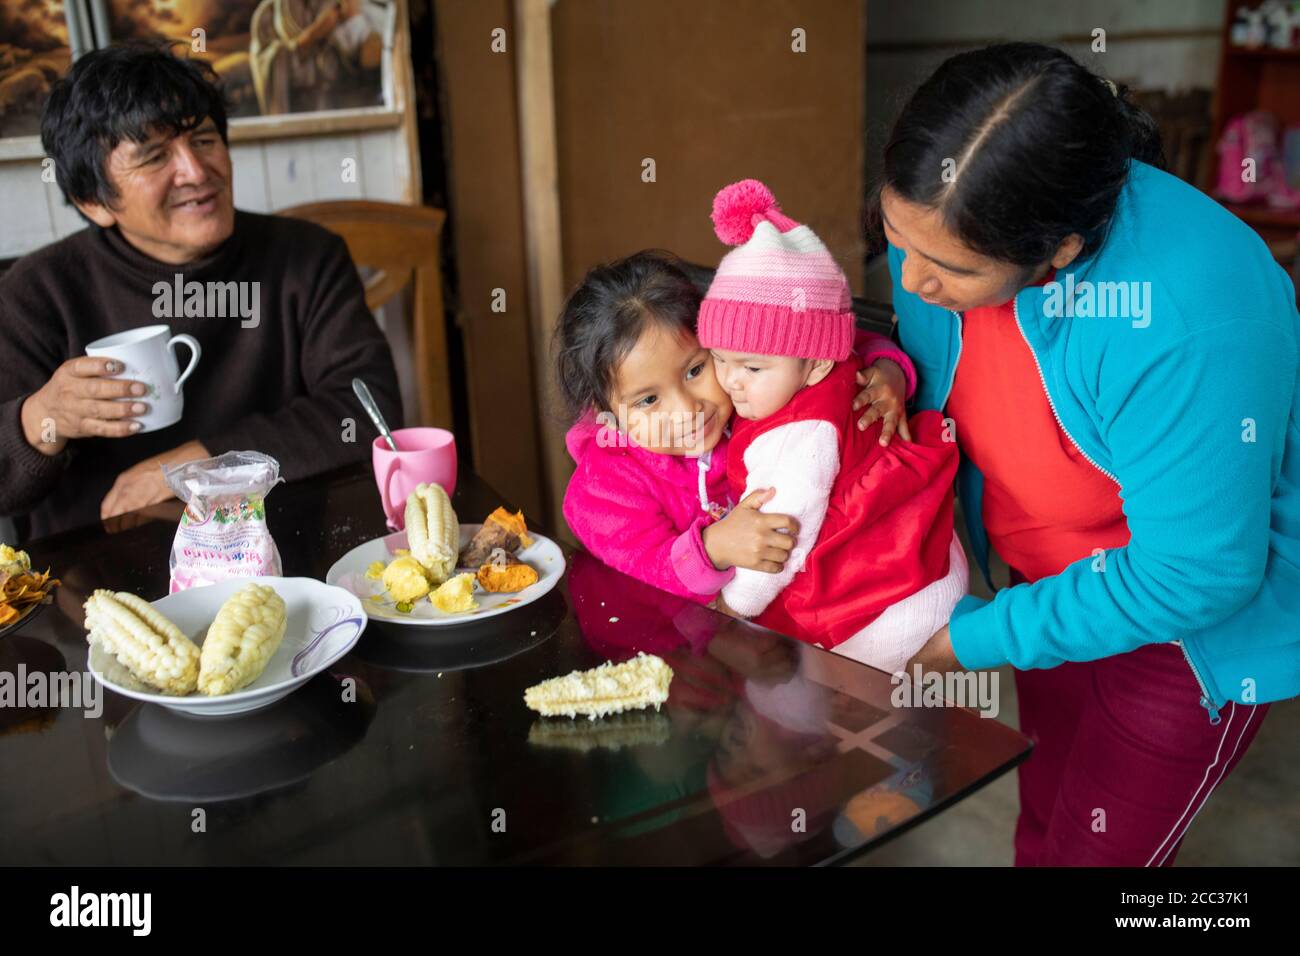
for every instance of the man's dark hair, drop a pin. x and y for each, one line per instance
(128, 91)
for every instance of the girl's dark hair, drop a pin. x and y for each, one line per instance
(118, 93)
(605, 316)
(1036, 147)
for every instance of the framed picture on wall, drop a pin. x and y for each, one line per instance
(276, 58)
(38, 41)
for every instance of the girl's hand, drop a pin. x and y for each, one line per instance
(748, 538)
(884, 392)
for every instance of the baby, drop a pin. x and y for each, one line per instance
(877, 567)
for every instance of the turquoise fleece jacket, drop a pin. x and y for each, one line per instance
(1187, 398)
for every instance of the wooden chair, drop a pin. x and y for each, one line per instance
(399, 243)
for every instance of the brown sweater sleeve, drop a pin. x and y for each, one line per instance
(29, 354)
(341, 340)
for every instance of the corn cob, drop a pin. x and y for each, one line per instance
(608, 689)
(148, 645)
(432, 531)
(241, 640)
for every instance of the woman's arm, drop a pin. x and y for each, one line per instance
(1197, 489)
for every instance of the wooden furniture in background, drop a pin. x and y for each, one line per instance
(543, 239)
(491, 309)
(399, 243)
(1257, 79)
(1184, 120)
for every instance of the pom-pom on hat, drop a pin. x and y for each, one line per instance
(779, 292)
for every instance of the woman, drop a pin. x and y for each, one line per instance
(1145, 487)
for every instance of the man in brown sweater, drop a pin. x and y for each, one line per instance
(139, 143)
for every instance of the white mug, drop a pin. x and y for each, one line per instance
(148, 355)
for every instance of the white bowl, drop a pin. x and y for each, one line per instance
(324, 623)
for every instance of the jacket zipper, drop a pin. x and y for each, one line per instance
(1042, 380)
(1205, 694)
(1205, 702)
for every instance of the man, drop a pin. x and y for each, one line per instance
(138, 138)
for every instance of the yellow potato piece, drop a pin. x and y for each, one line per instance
(405, 580)
(456, 595)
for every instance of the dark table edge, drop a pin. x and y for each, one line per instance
(853, 853)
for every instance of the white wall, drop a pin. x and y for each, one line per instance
(268, 174)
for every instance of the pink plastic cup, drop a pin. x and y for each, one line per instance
(423, 454)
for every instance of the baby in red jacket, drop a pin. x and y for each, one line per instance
(877, 568)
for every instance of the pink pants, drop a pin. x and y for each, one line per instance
(1124, 758)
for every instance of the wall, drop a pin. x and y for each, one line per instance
(294, 170)
(712, 97)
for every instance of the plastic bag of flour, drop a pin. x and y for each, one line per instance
(223, 531)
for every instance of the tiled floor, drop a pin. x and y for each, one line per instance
(1252, 819)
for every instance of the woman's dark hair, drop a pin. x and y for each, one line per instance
(1035, 148)
(605, 316)
(122, 92)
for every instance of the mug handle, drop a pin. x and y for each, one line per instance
(195, 352)
(386, 492)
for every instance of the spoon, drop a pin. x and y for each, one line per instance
(368, 403)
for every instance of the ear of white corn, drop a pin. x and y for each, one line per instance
(241, 640)
(148, 645)
(432, 530)
(608, 689)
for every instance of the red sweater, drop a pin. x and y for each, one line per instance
(888, 523)
(1045, 505)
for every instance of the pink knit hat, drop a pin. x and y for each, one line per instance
(779, 292)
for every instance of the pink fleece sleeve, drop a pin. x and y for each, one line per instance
(872, 345)
(692, 563)
(623, 525)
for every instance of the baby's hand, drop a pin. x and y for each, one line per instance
(885, 391)
(748, 538)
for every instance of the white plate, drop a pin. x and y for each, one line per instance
(324, 623)
(349, 572)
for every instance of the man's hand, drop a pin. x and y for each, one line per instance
(748, 538)
(78, 401)
(142, 484)
(885, 394)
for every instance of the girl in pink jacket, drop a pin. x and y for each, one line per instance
(649, 494)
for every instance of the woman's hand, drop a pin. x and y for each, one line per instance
(884, 394)
(935, 655)
(748, 538)
(720, 605)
